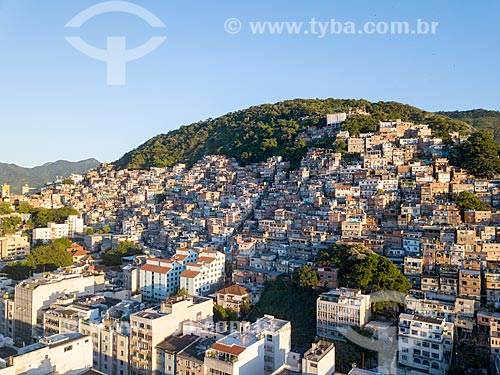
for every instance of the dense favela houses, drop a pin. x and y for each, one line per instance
(161, 260)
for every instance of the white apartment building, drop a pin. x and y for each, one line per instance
(52, 232)
(75, 225)
(33, 295)
(425, 344)
(204, 276)
(69, 354)
(160, 278)
(14, 246)
(340, 308)
(335, 118)
(111, 344)
(150, 327)
(320, 359)
(261, 348)
(72, 226)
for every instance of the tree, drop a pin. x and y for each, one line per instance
(17, 270)
(52, 256)
(254, 134)
(68, 181)
(284, 299)
(160, 197)
(25, 208)
(360, 124)
(9, 224)
(305, 277)
(42, 216)
(219, 313)
(224, 314)
(42, 258)
(469, 201)
(89, 231)
(245, 308)
(124, 248)
(5, 208)
(479, 155)
(128, 248)
(361, 268)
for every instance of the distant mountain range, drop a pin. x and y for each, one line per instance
(36, 177)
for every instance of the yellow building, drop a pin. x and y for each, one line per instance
(5, 191)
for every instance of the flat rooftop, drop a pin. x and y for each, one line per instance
(175, 344)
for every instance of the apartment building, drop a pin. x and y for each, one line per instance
(320, 359)
(425, 344)
(14, 246)
(492, 286)
(469, 284)
(69, 354)
(110, 338)
(412, 269)
(341, 308)
(183, 355)
(160, 278)
(150, 327)
(50, 233)
(233, 297)
(7, 312)
(204, 276)
(33, 295)
(262, 348)
(192, 359)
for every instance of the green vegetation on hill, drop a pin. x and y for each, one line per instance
(8, 223)
(479, 155)
(256, 133)
(361, 268)
(294, 298)
(480, 119)
(360, 124)
(469, 201)
(41, 216)
(286, 299)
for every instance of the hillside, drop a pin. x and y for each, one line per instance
(36, 177)
(479, 119)
(254, 134)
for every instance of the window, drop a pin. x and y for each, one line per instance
(68, 348)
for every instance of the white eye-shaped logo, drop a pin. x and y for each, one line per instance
(116, 54)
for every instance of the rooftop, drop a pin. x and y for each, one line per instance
(236, 290)
(175, 344)
(318, 350)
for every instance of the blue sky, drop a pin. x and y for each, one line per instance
(55, 103)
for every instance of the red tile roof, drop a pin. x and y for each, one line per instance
(189, 274)
(206, 259)
(234, 290)
(230, 349)
(155, 269)
(159, 260)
